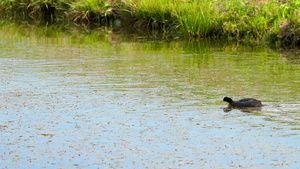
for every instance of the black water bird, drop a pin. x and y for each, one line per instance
(247, 102)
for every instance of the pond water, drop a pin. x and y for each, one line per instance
(96, 100)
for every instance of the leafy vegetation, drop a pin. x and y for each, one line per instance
(272, 21)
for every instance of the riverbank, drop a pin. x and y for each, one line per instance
(274, 22)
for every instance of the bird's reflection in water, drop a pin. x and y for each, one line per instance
(243, 109)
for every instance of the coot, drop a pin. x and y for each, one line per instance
(247, 102)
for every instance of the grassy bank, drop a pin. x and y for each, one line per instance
(272, 21)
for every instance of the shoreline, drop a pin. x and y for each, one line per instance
(273, 22)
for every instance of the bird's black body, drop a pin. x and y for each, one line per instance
(247, 102)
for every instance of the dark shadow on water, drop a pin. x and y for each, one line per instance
(243, 109)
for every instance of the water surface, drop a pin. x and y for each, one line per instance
(100, 100)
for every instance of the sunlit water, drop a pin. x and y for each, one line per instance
(141, 103)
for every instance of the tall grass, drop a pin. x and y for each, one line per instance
(286, 29)
(273, 21)
(197, 18)
(76, 10)
(90, 10)
(262, 20)
(152, 14)
(243, 19)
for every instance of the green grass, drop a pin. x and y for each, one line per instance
(151, 14)
(198, 20)
(194, 18)
(90, 10)
(271, 21)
